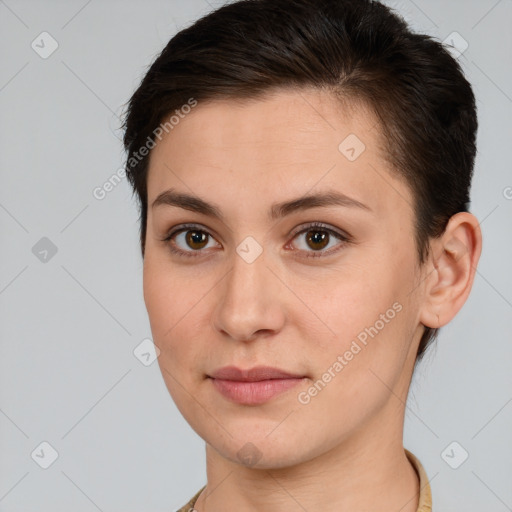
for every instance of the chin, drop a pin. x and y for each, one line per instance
(263, 452)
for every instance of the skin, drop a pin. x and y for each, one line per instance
(344, 449)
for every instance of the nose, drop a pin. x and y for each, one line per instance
(250, 301)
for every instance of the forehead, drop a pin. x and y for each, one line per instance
(281, 145)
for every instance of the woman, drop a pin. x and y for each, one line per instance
(303, 170)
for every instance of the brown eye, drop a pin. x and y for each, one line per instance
(189, 240)
(317, 238)
(196, 239)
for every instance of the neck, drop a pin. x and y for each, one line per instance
(365, 472)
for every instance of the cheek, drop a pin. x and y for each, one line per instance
(171, 307)
(353, 297)
(166, 294)
(158, 291)
(355, 371)
(167, 301)
(368, 319)
(176, 304)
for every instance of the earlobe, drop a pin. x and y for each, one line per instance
(454, 259)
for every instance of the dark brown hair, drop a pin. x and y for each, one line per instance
(357, 49)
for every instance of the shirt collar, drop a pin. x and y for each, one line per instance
(425, 500)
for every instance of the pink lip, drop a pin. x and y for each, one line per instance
(254, 386)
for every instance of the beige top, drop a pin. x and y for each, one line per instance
(424, 504)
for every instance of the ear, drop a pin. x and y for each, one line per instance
(451, 269)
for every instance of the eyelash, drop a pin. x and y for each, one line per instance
(314, 254)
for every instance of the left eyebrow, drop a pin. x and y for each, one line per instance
(325, 199)
(278, 210)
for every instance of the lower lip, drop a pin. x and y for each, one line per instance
(253, 393)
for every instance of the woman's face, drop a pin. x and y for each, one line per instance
(258, 285)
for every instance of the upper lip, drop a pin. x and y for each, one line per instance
(255, 374)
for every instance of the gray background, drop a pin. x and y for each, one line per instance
(69, 324)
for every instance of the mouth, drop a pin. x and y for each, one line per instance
(253, 386)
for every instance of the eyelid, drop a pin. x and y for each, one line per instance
(180, 229)
(344, 238)
(320, 225)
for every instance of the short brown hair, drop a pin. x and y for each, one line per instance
(357, 49)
